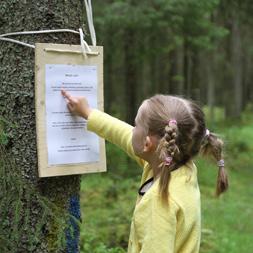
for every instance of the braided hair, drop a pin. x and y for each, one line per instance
(167, 151)
(180, 127)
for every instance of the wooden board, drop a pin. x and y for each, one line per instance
(46, 53)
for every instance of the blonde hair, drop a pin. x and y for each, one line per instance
(181, 141)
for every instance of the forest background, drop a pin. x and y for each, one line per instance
(201, 50)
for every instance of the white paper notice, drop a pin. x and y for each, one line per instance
(68, 141)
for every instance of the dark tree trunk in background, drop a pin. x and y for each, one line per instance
(210, 83)
(234, 98)
(108, 76)
(17, 103)
(179, 73)
(237, 66)
(130, 74)
(248, 76)
(187, 69)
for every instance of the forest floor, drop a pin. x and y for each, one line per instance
(107, 199)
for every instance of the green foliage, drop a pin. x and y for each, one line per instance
(247, 115)
(217, 114)
(91, 244)
(4, 137)
(226, 222)
(181, 20)
(106, 207)
(109, 191)
(119, 163)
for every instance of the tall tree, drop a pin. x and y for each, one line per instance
(17, 109)
(164, 41)
(236, 55)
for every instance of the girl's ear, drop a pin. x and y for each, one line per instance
(150, 143)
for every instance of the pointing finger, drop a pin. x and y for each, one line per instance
(67, 95)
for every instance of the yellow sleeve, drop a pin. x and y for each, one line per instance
(113, 130)
(159, 235)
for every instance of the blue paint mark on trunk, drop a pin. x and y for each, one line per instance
(73, 232)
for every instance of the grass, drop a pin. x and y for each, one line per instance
(108, 200)
(227, 222)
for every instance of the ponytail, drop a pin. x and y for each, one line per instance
(212, 146)
(167, 151)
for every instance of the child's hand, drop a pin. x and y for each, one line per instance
(77, 105)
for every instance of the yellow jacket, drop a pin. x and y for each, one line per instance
(155, 228)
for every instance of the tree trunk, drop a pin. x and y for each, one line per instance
(108, 75)
(210, 84)
(130, 74)
(237, 66)
(248, 92)
(17, 108)
(187, 69)
(179, 81)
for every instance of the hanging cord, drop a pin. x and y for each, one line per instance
(83, 43)
(17, 42)
(84, 46)
(88, 7)
(3, 36)
(34, 32)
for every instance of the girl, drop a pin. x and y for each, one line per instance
(169, 131)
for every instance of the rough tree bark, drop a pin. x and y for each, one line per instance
(17, 103)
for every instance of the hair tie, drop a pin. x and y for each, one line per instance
(172, 121)
(221, 163)
(207, 133)
(168, 160)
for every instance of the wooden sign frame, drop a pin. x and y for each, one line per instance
(47, 53)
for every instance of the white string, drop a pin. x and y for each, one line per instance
(17, 42)
(90, 22)
(85, 47)
(83, 43)
(2, 36)
(37, 32)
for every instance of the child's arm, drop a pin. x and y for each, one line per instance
(106, 126)
(113, 130)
